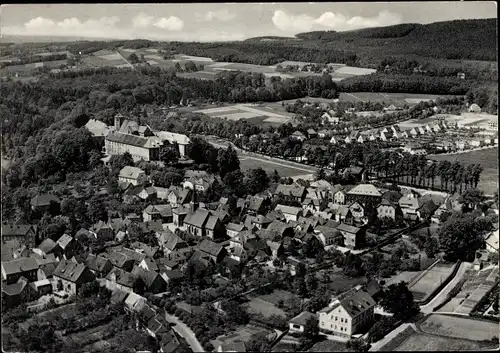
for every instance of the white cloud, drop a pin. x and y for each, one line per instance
(338, 22)
(142, 20)
(221, 15)
(172, 23)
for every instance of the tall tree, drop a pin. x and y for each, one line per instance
(227, 160)
(398, 300)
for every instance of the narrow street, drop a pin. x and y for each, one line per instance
(183, 330)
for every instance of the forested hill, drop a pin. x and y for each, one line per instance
(459, 39)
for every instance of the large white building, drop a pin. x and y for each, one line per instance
(347, 314)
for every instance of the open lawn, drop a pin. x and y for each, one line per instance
(398, 99)
(426, 342)
(278, 295)
(339, 283)
(104, 60)
(488, 158)
(266, 114)
(260, 306)
(460, 327)
(431, 280)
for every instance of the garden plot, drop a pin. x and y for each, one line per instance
(154, 57)
(194, 58)
(431, 280)
(458, 327)
(242, 334)
(265, 308)
(278, 295)
(358, 71)
(426, 342)
(113, 56)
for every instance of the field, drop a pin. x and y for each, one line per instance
(338, 282)
(397, 99)
(330, 346)
(431, 280)
(284, 169)
(247, 111)
(488, 158)
(277, 295)
(426, 342)
(459, 327)
(106, 58)
(260, 306)
(242, 334)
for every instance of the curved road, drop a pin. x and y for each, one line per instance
(183, 330)
(441, 296)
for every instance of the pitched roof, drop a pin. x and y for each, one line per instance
(48, 269)
(122, 277)
(118, 296)
(64, 240)
(302, 318)
(97, 128)
(19, 265)
(69, 270)
(15, 288)
(142, 248)
(15, 229)
(44, 200)
(197, 218)
(357, 302)
(96, 262)
(130, 172)
(292, 190)
(127, 139)
(163, 210)
(47, 245)
(235, 227)
(135, 302)
(210, 247)
(146, 275)
(348, 228)
(211, 222)
(365, 190)
(288, 209)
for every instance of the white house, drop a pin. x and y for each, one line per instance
(298, 323)
(132, 175)
(290, 213)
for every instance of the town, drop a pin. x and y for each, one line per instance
(148, 212)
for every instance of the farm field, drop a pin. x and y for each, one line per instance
(284, 169)
(387, 98)
(339, 283)
(278, 295)
(460, 327)
(106, 59)
(488, 158)
(431, 280)
(426, 342)
(242, 334)
(477, 293)
(246, 111)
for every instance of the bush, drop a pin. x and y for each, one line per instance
(208, 347)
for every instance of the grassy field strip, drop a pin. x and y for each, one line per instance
(459, 327)
(259, 112)
(352, 95)
(280, 164)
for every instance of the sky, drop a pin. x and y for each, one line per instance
(222, 22)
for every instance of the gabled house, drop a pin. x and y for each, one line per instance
(68, 246)
(277, 228)
(102, 231)
(154, 282)
(25, 267)
(45, 203)
(357, 210)
(125, 281)
(290, 213)
(132, 175)
(299, 322)
(233, 229)
(389, 209)
(48, 246)
(17, 293)
(241, 239)
(328, 235)
(179, 196)
(348, 314)
(298, 193)
(298, 136)
(365, 193)
(69, 276)
(99, 265)
(195, 222)
(24, 233)
(311, 133)
(158, 212)
(215, 251)
(179, 215)
(353, 236)
(276, 248)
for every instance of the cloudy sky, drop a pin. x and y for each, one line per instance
(212, 22)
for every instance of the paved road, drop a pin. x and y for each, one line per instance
(441, 296)
(183, 330)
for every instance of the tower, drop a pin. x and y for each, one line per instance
(118, 121)
(193, 204)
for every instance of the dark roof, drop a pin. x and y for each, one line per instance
(348, 228)
(212, 222)
(235, 227)
(96, 262)
(147, 276)
(127, 139)
(169, 342)
(118, 296)
(302, 318)
(163, 210)
(357, 302)
(149, 251)
(48, 269)
(293, 190)
(173, 274)
(197, 218)
(122, 277)
(15, 288)
(289, 209)
(210, 247)
(69, 270)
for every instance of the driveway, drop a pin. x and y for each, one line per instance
(441, 296)
(183, 330)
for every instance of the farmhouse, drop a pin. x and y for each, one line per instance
(290, 213)
(158, 212)
(353, 236)
(70, 276)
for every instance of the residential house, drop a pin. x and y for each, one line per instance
(132, 175)
(352, 137)
(239, 254)
(357, 210)
(299, 322)
(276, 248)
(68, 246)
(257, 222)
(147, 193)
(215, 252)
(297, 136)
(491, 242)
(298, 193)
(179, 140)
(340, 197)
(365, 193)
(154, 282)
(172, 277)
(45, 203)
(135, 302)
(348, 315)
(21, 291)
(103, 231)
(179, 196)
(389, 209)
(358, 173)
(324, 134)
(69, 276)
(179, 215)
(311, 133)
(342, 213)
(22, 267)
(353, 236)
(48, 246)
(99, 265)
(42, 287)
(149, 264)
(328, 235)
(158, 212)
(124, 281)
(277, 229)
(233, 229)
(195, 222)
(409, 205)
(24, 233)
(290, 213)
(241, 239)
(255, 205)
